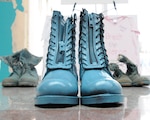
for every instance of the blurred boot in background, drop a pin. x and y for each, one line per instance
(132, 72)
(29, 76)
(120, 76)
(17, 69)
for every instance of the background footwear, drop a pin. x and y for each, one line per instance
(23, 70)
(118, 75)
(29, 74)
(97, 84)
(59, 86)
(132, 72)
(15, 64)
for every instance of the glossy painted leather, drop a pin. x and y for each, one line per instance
(58, 82)
(59, 86)
(97, 84)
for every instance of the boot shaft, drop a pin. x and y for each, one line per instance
(92, 52)
(61, 50)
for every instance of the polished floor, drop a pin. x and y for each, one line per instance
(17, 103)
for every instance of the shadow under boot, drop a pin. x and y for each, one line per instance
(132, 72)
(17, 69)
(120, 76)
(97, 85)
(29, 76)
(59, 86)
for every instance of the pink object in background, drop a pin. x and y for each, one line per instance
(121, 37)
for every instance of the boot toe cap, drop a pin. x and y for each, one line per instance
(58, 85)
(100, 85)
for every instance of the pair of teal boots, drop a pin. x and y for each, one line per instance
(60, 83)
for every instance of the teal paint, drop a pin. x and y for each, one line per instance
(7, 17)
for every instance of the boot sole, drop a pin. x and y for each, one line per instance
(141, 83)
(27, 84)
(126, 84)
(9, 84)
(56, 101)
(102, 99)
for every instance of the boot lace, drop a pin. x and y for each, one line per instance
(61, 52)
(95, 22)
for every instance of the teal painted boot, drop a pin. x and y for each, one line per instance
(97, 85)
(59, 86)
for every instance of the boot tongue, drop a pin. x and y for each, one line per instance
(27, 58)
